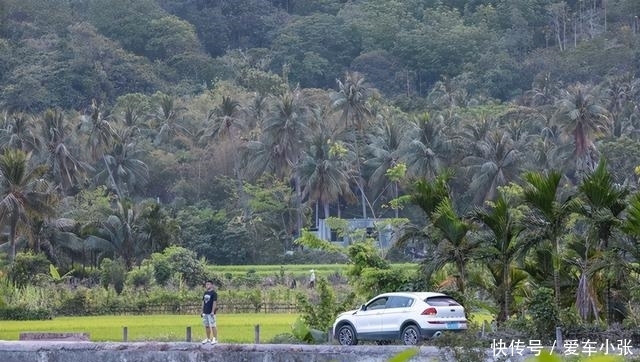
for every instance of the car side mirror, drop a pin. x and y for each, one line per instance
(362, 307)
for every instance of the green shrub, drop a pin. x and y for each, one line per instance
(74, 304)
(461, 346)
(321, 315)
(113, 272)
(543, 314)
(285, 338)
(140, 277)
(24, 314)
(26, 266)
(161, 268)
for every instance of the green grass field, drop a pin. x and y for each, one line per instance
(295, 269)
(232, 328)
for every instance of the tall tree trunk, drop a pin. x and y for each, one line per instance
(556, 273)
(326, 210)
(507, 288)
(13, 227)
(298, 203)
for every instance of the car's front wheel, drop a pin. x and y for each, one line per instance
(347, 336)
(410, 335)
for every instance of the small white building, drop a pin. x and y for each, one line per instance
(378, 229)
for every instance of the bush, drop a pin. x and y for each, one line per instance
(285, 338)
(113, 273)
(320, 316)
(543, 314)
(140, 277)
(461, 346)
(74, 304)
(24, 314)
(161, 268)
(26, 266)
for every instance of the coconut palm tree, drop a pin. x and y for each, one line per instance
(427, 147)
(224, 121)
(23, 193)
(385, 149)
(285, 129)
(581, 113)
(495, 162)
(166, 121)
(325, 172)
(124, 171)
(351, 102)
(18, 131)
(67, 170)
(621, 93)
(100, 132)
(118, 235)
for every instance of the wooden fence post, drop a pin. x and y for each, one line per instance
(125, 333)
(256, 333)
(189, 334)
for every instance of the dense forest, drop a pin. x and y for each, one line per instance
(229, 127)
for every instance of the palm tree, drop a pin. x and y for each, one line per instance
(581, 114)
(68, 171)
(117, 235)
(351, 102)
(224, 120)
(603, 205)
(385, 149)
(124, 171)
(550, 211)
(325, 172)
(18, 131)
(427, 148)
(451, 243)
(100, 132)
(502, 245)
(23, 193)
(446, 233)
(495, 162)
(285, 130)
(622, 92)
(166, 121)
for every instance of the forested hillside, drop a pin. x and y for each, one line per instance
(227, 127)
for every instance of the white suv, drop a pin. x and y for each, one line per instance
(408, 317)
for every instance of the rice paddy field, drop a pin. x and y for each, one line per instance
(232, 328)
(295, 269)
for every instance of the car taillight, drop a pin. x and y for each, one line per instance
(430, 311)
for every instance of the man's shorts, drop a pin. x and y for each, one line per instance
(209, 320)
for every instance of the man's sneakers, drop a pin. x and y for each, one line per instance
(210, 341)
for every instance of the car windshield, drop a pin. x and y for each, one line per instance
(441, 301)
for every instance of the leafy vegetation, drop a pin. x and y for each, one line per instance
(143, 146)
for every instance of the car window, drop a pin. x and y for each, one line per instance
(441, 301)
(377, 303)
(399, 302)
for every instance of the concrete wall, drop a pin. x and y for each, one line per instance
(49, 351)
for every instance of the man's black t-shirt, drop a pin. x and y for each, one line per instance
(207, 301)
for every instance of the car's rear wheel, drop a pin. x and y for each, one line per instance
(347, 336)
(410, 335)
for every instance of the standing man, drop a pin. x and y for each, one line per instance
(312, 279)
(209, 300)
